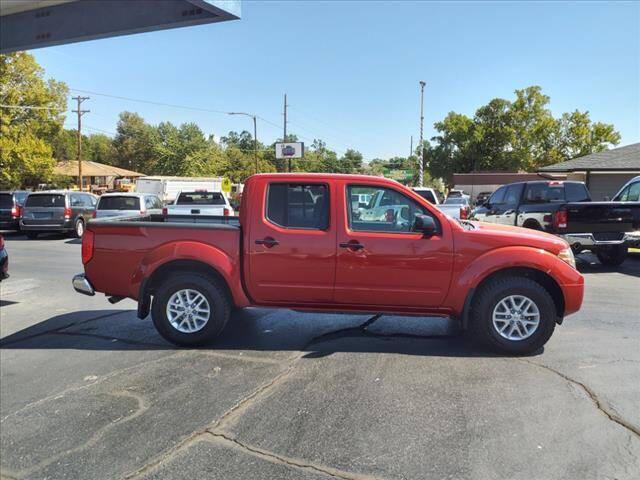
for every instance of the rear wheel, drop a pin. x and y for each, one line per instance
(612, 256)
(190, 310)
(32, 235)
(513, 315)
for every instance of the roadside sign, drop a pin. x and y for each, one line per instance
(290, 150)
(226, 185)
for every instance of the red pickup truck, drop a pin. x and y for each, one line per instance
(334, 243)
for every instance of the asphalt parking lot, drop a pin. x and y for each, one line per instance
(87, 390)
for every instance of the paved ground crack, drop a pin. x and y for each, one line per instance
(614, 417)
(111, 338)
(282, 460)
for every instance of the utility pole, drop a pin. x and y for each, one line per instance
(421, 172)
(284, 137)
(411, 148)
(255, 135)
(80, 112)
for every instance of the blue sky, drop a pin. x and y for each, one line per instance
(351, 69)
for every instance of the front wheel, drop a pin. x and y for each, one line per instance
(79, 228)
(190, 310)
(612, 256)
(513, 315)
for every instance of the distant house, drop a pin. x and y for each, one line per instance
(604, 172)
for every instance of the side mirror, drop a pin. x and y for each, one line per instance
(425, 224)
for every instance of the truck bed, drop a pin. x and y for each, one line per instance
(602, 217)
(127, 248)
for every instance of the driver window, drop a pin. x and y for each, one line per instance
(386, 211)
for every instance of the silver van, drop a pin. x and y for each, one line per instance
(57, 211)
(128, 204)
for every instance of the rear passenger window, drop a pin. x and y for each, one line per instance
(298, 206)
(552, 192)
(576, 192)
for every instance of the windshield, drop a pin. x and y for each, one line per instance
(45, 200)
(119, 203)
(201, 198)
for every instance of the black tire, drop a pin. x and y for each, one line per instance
(533, 225)
(219, 306)
(612, 256)
(32, 235)
(78, 229)
(487, 298)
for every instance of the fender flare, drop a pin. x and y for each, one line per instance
(226, 266)
(493, 261)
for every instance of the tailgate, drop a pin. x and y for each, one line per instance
(208, 210)
(605, 218)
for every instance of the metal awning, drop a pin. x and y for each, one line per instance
(29, 24)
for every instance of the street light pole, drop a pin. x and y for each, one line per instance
(255, 135)
(421, 172)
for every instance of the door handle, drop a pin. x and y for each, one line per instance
(509, 212)
(352, 245)
(267, 242)
(195, 212)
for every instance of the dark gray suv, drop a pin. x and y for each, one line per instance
(57, 211)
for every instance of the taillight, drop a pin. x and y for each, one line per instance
(464, 213)
(164, 211)
(560, 219)
(67, 213)
(94, 214)
(1, 242)
(15, 212)
(87, 246)
(225, 212)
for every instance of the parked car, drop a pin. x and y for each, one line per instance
(507, 286)
(168, 188)
(565, 209)
(201, 202)
(456, 194)
(4, 260)
(630, 192)
(57, 211)
(482, 198)
(127, 204)
(11, 203)
(429, 194)
(456, 207)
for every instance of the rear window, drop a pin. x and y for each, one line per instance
(6, 200)
(119, 203)
(45, 200)
(544, 193)
(455, 201)
(576, 192)
(201, 198)
(427, 195)
(298, 206)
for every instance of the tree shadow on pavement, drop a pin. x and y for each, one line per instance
(256, 329)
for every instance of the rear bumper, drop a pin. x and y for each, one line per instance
(82, 285)
(10, 224)
(588, 239)
(66, 226)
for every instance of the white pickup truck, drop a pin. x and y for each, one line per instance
(200, 202)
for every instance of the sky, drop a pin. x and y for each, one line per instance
(351, 69)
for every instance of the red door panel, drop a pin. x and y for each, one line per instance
(391, 269)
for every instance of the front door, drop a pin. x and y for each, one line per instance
(382, 261)
(292, 246)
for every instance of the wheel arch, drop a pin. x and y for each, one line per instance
(545, 280)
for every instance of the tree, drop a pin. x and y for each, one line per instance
(518, 135)
(350, 162)
(134, 144)
(26, 133)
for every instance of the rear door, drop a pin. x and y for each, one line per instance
(6, 204)
(44, 209)
(292, 245)
(381, 261)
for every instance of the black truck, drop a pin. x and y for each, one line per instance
(565, 209)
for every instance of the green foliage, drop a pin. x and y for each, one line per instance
(518, 135)
(26, 134)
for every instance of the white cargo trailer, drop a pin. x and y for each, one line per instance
(167, 188)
